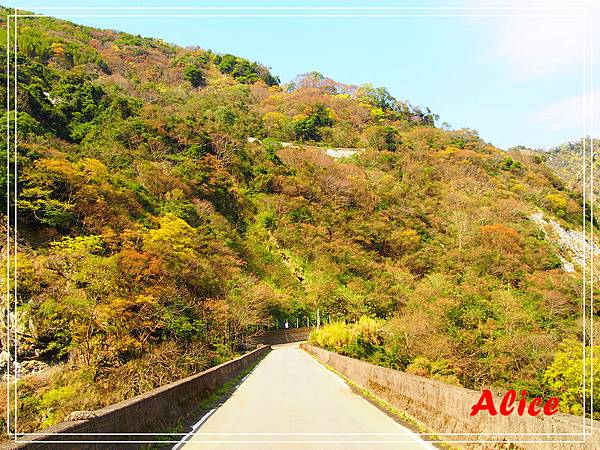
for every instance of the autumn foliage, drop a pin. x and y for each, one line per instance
(155, 237)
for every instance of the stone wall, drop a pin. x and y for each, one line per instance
(443, 408)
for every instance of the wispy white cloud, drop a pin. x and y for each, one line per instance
(551, 50)
(570, 113)
(531, 47)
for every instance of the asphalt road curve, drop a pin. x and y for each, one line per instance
(291, 401)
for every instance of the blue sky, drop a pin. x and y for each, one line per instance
(517, 80)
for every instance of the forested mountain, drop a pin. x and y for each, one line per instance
(567, 161)
(171, 200)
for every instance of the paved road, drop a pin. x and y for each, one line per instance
(292, 401)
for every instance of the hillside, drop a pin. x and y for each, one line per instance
(566, 160)
(173, 200)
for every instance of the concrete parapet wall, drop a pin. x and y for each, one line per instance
(152, 412)
(283, 336)
(444, 408)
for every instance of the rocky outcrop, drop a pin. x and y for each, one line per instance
(576, 245)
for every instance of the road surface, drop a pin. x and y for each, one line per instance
(292, 401)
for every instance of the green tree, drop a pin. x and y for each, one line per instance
(308, 128)
(565, 377)
(193, 74)
(384, 138)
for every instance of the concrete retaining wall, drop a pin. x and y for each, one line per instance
(443, 408)
(283, 336)
(154, 411)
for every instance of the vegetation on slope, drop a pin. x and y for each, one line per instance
(567, 160)
(154, 236)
